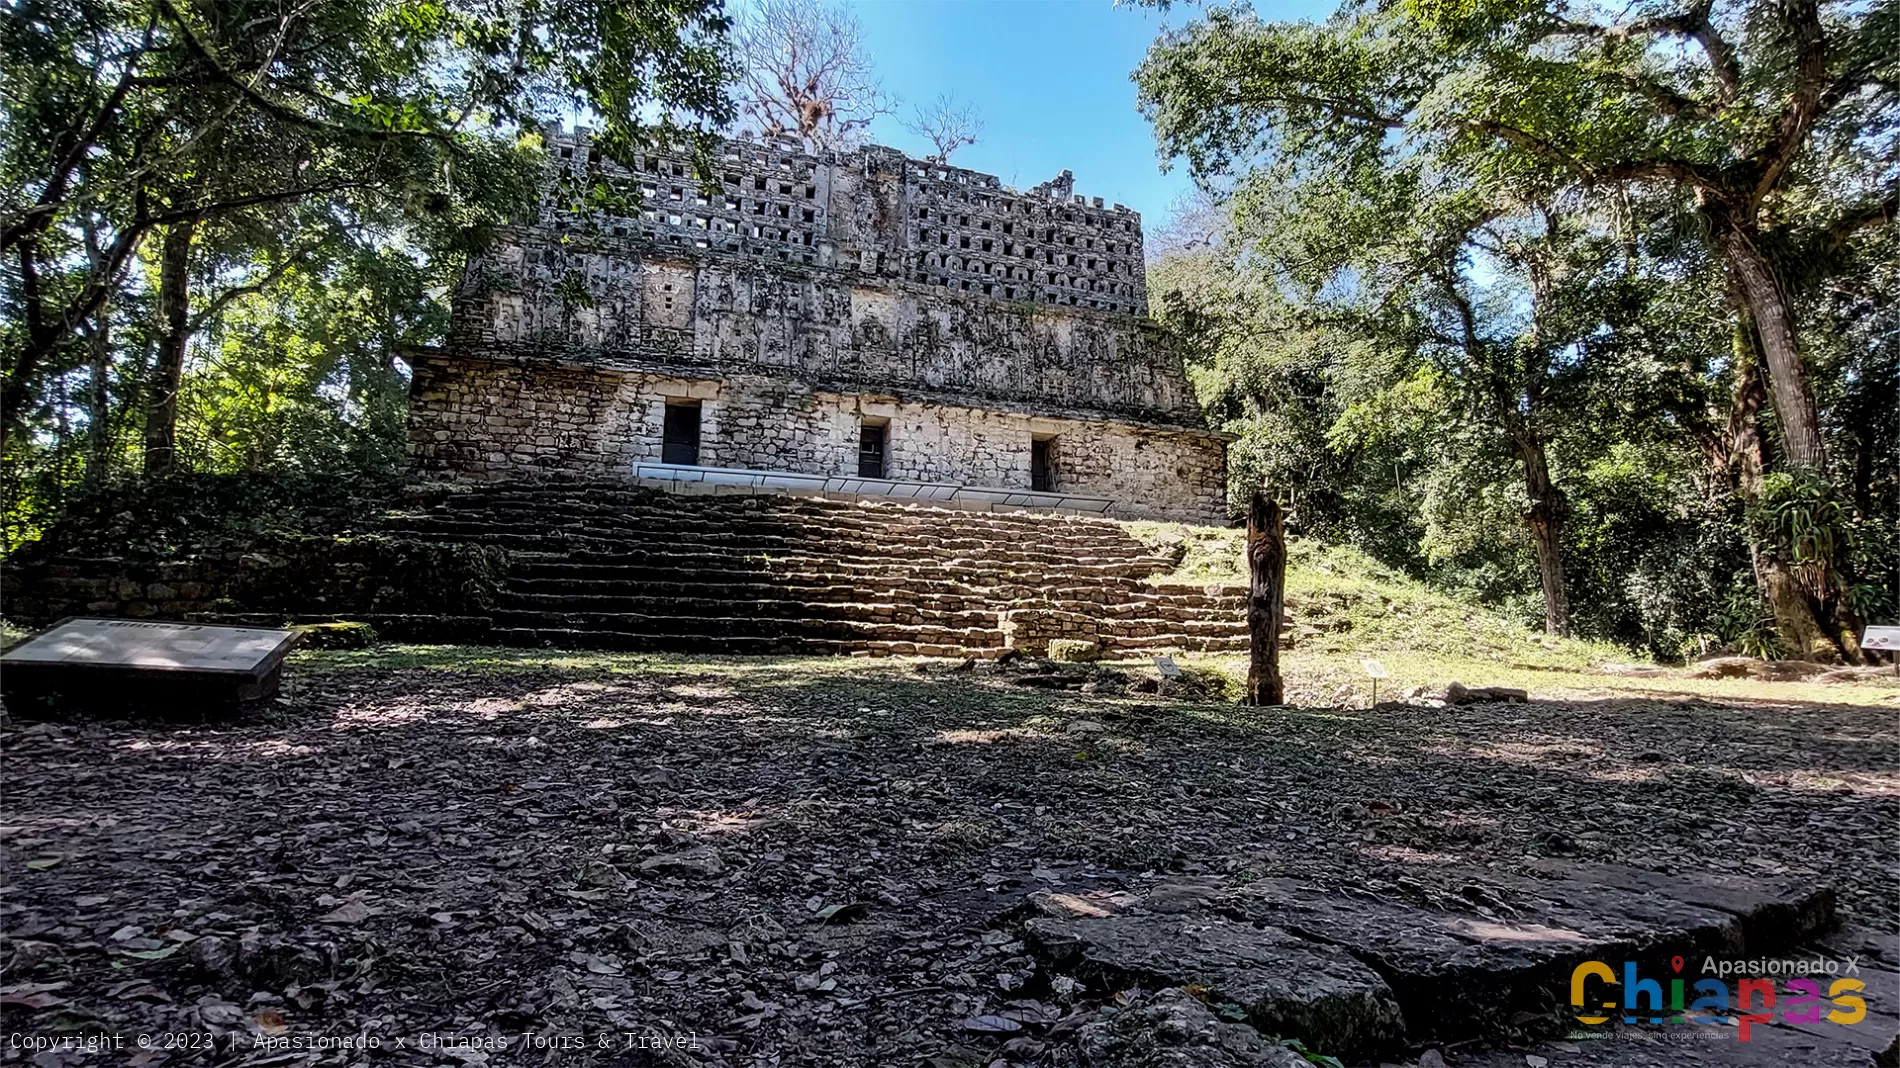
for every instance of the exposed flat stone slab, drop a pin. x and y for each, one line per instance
(1495, 969)
(1287, 985)
(1873, 958)
(1716, 1046)
(1170, 1029)
(1774, 913)
(1490, 956)
(1505, 957)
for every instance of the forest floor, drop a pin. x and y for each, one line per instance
(805, 862)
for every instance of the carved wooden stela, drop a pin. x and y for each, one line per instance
(119, 666)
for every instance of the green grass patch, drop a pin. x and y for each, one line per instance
(500, 660)
(1341, 600)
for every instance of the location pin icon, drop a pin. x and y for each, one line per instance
(1676, 963)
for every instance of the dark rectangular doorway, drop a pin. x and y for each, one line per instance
(1042, 464)
(871, 438)
(679, 443)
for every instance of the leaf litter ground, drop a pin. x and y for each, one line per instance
(531, 859)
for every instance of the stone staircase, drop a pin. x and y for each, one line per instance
(607, 565)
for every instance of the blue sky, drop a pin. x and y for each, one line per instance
(1048, 77)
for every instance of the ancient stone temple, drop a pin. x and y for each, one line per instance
(853, 324)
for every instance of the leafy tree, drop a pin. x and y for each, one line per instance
(1772, 123)
(133, 119)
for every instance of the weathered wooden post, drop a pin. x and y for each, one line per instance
(1266, 599)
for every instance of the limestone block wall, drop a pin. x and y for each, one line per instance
(871, 212)
(854, 270)
(492, 418)
(282, 576)
(591, 300)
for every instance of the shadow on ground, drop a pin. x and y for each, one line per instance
(803, 860)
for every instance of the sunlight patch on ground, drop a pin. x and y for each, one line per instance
(742, 822)
(401, 714)
(702, 691)
(1872, 783)
(1626, 774)
(985, 737)
(1397, 854)
(1523, 752)
(274, 749)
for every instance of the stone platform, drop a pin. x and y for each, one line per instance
(618, 566)
(140, 667)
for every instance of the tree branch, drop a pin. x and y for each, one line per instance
(278, 108)
(218, 207)
(40, 215)
(1806, 102)
(1692, 24)
(1340, 108)
(1872, 213)
(224, 299)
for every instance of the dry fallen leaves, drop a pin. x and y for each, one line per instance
(499, 852)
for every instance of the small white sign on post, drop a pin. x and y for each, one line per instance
(1881, 638)
(1374, 671)
(1167, 667)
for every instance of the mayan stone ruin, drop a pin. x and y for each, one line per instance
(855, 324)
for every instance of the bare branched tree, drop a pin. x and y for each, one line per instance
(804, 71)
(947, 125)
(1197, 219)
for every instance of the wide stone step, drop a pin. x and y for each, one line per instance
(691, 516)
(1167, 643)
(580, 610)
(603, 495)
(894, 644)
(737, 600)
(637, 642)
(694, 515)
(753, 626)
(1090, 594)
(760, 538)
(715, 568)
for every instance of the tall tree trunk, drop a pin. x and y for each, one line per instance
(99, 400)
(174, 329)
(1793, 606)
(1771, 311)
(1545, 517)
(1266, 601)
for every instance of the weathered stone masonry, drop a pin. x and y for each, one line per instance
(806, 298)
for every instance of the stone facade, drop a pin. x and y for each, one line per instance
(503, 416)
(799, 298)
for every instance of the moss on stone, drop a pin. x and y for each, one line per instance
(1072, 651)
(341, 634)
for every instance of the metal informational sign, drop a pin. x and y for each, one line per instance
(1167, 667)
